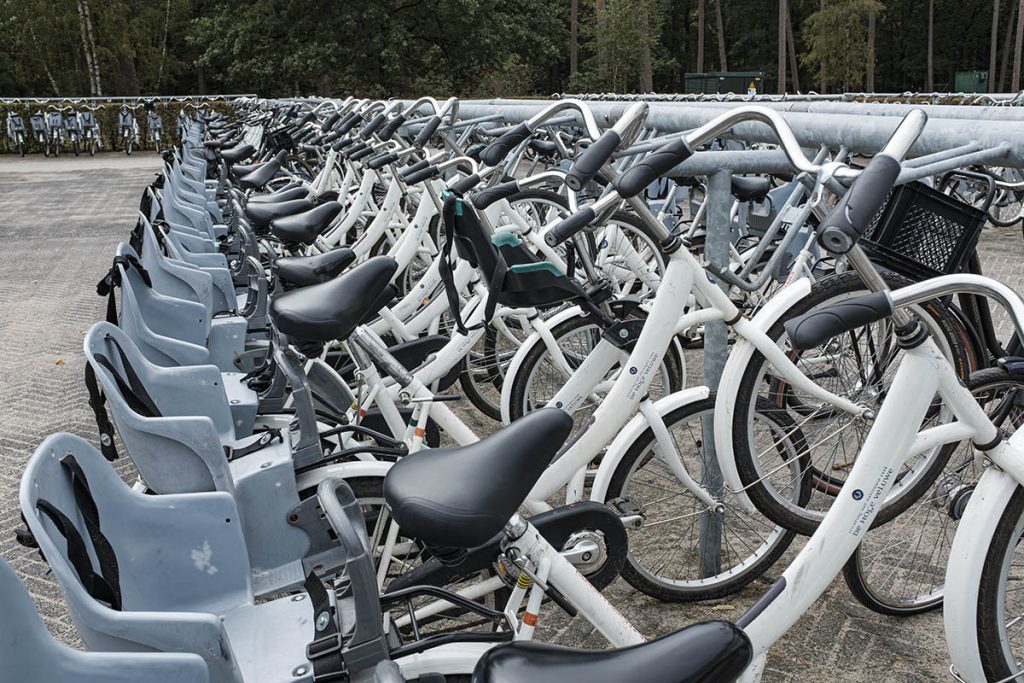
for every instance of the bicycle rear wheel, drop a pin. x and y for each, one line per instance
(899, 569)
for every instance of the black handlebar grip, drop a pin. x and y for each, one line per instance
(306, 118)
(351, 121)
(569, 227)
(388, 131)
(412, 168)
(421, 175)
(361, 153)
(373, 126)
(486, 197)
(381, 160)
(852, 215)
(342, 143)
(586, 165)
(427, 132)
(356, 148)
(495, 152)
(653, 166)
(330, 138)
(463, 186)
(815, 328)
(331, 120)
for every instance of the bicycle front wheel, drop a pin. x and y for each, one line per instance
(1000, 602)
(685, 550)
(857, 365)
(899, 568)
(541, 375)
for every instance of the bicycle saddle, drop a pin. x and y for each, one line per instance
(303, 228)
(285, 194)
(462, 497)
(262, 175)
(261, 214)
(331, 310)
(748, 189)
(711, 652)
(242, 170)
(236, 154)
(302, 271)
(544, 148)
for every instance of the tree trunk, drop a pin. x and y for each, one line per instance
(794, 67)
(646, 70)
(700, 36)
(929, 85)
(163, 47)
(721, 35)
(574, 11)
(870, 84)
(1015, 83)
(994, 48)
(824, 81)
(602, 56)
(1004, 65)
(86, 50)
(84, 6)
(781, 46)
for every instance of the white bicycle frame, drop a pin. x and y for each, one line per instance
(683, 276)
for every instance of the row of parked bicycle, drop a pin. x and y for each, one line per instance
(307, 285)
(66, 129)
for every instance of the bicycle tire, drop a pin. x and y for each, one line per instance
(898, 587)
(825, 479)
(997, 659)
(728, 580)
(671, 368)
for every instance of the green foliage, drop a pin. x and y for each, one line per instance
(837, 41)
(470, 48)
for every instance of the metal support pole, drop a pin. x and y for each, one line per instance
(716, 347)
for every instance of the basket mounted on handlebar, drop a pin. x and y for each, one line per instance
(922, 233)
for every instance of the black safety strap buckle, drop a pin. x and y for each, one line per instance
(321, 647)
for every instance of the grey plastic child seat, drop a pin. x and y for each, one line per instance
(29, 653)
(175, 424)
(171, 277)
(176, 564)
(171, 331)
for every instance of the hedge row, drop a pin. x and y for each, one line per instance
(106, 115)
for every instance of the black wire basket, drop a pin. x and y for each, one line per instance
(922, 233)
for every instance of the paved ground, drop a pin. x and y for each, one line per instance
(60, 220)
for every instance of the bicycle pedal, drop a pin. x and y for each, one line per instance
(630, 511)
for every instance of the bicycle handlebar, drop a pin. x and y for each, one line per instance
(388, 131)
(489, 195)
(847, 222)
(373, 126)
(589, 162)
(565, 229)
(658, 163)
(427, 132)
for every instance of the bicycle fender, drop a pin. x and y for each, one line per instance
(342, 470)
(966, 561)
(632, 431)
(516, 364)
(728, 387)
